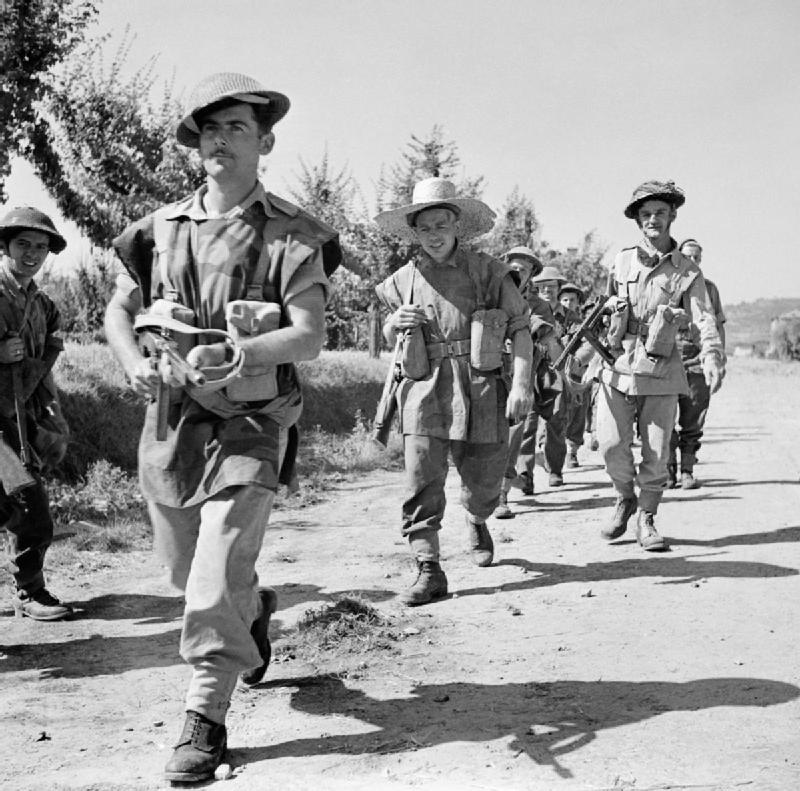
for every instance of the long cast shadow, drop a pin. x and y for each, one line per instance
(546, 721)
(676, 570)
(783, 535)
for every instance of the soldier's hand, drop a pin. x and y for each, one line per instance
(519, 403)
(615, 304)
(12, 350)
(208, 356)
(714, 372)
(144, 378)
(407, 317)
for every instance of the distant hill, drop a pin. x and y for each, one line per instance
(748, 322)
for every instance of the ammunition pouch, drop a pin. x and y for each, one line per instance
(488, 334)
(618, 327)
(248, 318)
(662, 333)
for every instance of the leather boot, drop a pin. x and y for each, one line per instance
(524, 481)
(624, 509)
(260, 632)
(199, 750)
(480, 542)
(672, 476)
(688, 481)
(430, 584)
(40, 605)
(646, 533)
(572, 456)
(502, 511)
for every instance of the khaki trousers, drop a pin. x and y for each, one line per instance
(210, 551)
(617, 414)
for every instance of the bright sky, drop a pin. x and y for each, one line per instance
(574, 101)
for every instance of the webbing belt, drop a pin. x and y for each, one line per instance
(456, 348)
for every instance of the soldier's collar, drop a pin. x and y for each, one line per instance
(193, 208)
(650, 257)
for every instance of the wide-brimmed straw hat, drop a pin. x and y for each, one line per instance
(26, 218)
(228, 85)
(549, 273)
(474, 216)
(654, 190)
(528, 255)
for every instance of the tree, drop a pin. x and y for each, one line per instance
(423, 158)
(580, 265)
(35, 35)
(516, 226)
(105, 151)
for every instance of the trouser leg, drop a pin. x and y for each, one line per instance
(656, 415)
(527, 449)
(576, 422)
(555, 442)
(481, 468)
(514, 443)
(224, 537)
(693, 409)
(424, 504)
(29, 533)
(616, 414)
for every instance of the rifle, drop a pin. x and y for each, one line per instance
(387, 406)
(587, 331)
(163, 351)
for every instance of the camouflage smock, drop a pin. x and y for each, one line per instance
(204, 452)
(647, 279)
(32, 315)
(455, 401)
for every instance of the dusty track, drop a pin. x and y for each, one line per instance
(569, 664)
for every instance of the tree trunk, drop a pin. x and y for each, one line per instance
(375, 335)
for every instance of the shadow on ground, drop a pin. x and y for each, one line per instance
(545, 721)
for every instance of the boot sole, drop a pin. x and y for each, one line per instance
(58, 617)
(433, 598)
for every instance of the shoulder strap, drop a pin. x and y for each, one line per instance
(164, 233)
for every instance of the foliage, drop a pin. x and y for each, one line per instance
(35, 35)
(516, 225)
(582, 266)
(82, 296)
(423, 158)
(106, 151)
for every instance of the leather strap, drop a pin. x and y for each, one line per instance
(455, 348)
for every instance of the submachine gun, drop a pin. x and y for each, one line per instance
(587, 331)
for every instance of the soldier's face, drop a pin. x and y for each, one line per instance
(654, 218)
(694, 252)
(548, 291)
(437, 230)
(521, 270)
(231, 143)
(570, 301)
(27, 252)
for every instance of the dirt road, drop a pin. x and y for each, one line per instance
(568, 664)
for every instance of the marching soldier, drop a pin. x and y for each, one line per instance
(454, 309)
(653, 289)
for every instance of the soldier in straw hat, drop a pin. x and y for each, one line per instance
(210, 483)
(653, 291)
(453, 309)
(29, 346)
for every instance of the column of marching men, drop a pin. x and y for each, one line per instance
(230, 283)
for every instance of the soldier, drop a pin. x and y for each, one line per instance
(572, 299)
(693, 407)
(454, 309)
(29, 346)
(553, 437)
(652, 289)
(229, 250)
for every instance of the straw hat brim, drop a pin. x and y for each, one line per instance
(475, 217)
